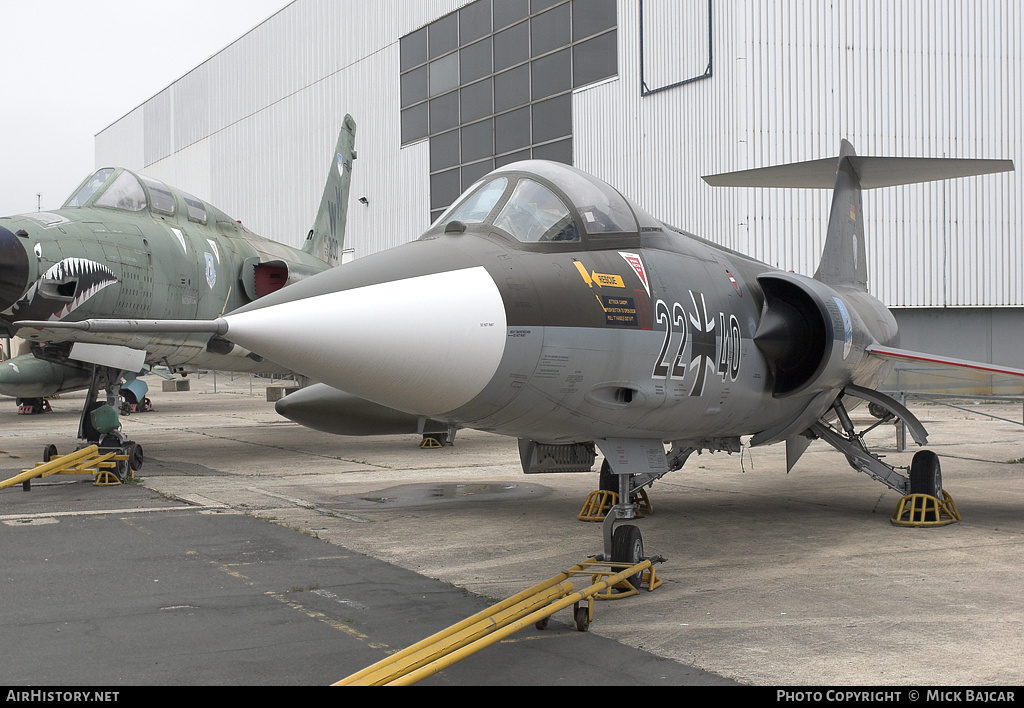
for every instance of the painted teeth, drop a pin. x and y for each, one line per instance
(75, 267)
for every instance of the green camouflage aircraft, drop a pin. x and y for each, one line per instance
(128, 246)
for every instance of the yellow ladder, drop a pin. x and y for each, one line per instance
(530, 607)
(88, 460)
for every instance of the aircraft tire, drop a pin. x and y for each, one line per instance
(628, 547)
(608, 481)
(926, 474)
(135, 457)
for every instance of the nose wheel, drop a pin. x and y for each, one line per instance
(628, 548)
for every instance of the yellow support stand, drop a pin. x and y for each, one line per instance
(599, 503)
(925, 510)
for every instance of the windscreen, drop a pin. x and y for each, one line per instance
(85, 192)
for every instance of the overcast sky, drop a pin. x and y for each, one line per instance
(70, 68)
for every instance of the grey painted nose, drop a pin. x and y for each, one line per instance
(13, 269)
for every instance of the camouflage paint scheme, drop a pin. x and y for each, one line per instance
(127, 246)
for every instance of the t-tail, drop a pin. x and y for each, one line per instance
(843, 259)
(327, 237)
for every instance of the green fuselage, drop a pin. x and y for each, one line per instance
(166, 256)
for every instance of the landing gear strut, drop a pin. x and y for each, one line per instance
(924, 502)
(99, 424)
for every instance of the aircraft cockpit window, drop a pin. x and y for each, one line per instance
(475, 209)
(88, 189)
(163, 200)
(196, 209)
(124, 193)
(477, 205)
(534, 214)
(601, 208)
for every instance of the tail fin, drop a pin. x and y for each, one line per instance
(843, 259)
(327, 237)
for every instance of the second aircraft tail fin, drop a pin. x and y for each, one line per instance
(327, 237)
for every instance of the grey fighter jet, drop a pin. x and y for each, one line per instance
(575, 321)
(126, 245)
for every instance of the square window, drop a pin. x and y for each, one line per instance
(444, 150)
(444, 74)
(512, 88)
(552, 118)
(595, 59)
(475, 21)
(444, 112)
(478, 140)
(444, 189)
(508, 11)
(475, 61)
(551, 74)
(414, 49)
(592, 16)
(512, 46)
(512, 130)
(550, 31)
(414, 86)
(476, 101)
(414, 123)
(444, 35)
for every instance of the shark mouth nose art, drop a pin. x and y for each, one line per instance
(63, 288)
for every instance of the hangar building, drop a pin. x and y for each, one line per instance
(648, 95)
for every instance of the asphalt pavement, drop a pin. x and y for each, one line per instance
(251, 551)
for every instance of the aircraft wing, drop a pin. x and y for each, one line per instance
(907, 356)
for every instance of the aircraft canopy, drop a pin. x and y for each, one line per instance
(536, 201)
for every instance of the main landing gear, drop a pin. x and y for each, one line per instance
(99, 425)
(924, 502)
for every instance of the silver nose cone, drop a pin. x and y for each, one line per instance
(377, 343)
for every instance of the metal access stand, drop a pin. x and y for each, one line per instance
(110, 467)
(530, 607)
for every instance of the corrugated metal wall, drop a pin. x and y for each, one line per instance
(790, 80)
(252, 128)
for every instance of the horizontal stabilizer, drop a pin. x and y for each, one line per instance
(872, 172)
(893, 354)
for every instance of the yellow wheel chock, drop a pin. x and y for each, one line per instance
(530, 607)
(600, 502)
(430, 442)
(925, 510)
